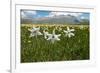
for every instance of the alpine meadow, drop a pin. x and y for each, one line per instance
(54, 36)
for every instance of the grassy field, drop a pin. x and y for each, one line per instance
(38, 49)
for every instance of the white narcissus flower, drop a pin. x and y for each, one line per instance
(46, 34)
(68, 32)
(53, 37)
(35, 31)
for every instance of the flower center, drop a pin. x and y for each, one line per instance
(53, 36)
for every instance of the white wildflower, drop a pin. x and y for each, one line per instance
(46, 34)
(34, 32)
(53, 37)
(69, 32)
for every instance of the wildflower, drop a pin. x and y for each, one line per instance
(68, 32)
(53, 37)
(34, 32)
(45, 34)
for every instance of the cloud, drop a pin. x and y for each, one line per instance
(52, 14)
(30, 12)
(82, 17)
(76, 14)
(23, 14)
(27, 14)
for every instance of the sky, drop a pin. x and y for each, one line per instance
(40, 13)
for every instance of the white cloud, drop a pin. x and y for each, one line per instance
(27, 14)
(23, 14)
(63, 13)
(30, 12)
(76, 14)
(82, 17)
(57, 13)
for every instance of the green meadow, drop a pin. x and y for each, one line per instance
(38, 49)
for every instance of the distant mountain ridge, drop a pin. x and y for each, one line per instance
(61, 19)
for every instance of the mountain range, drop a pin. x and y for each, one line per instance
(61, 19)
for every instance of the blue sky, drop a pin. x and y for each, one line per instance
(39, 14)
